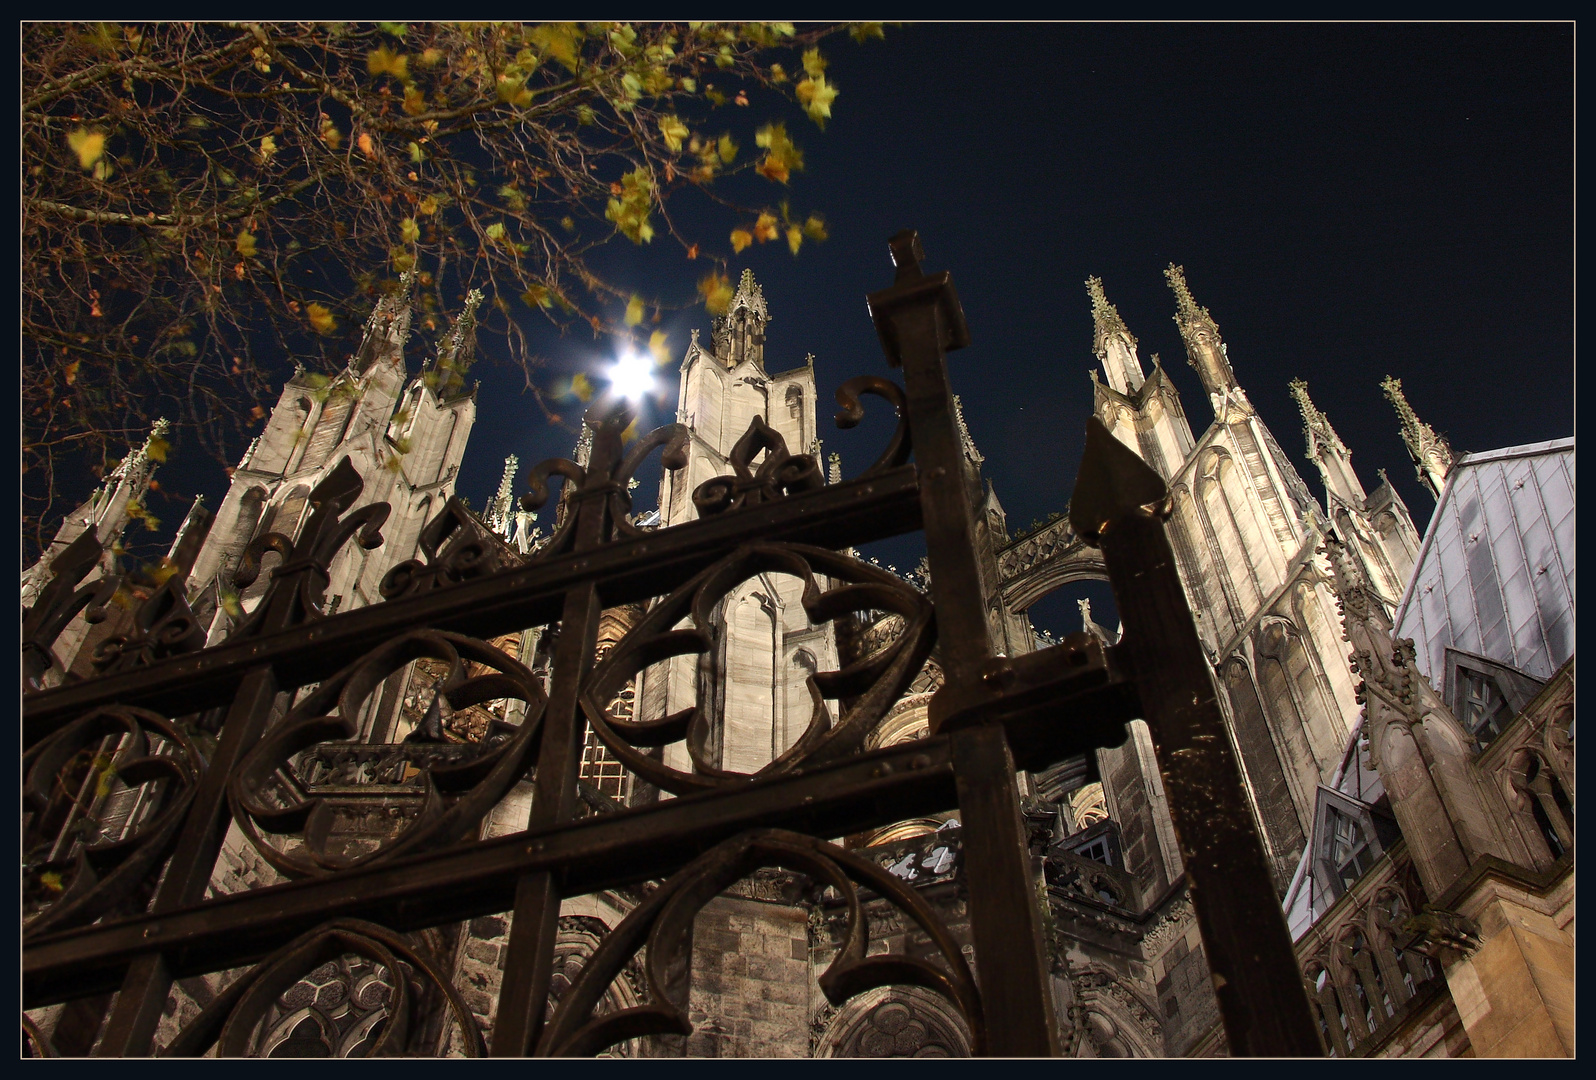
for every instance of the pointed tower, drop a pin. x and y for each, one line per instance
(1112, 343)
(119, 498)
(1447, 812)
(740, 333)
(1205, 350)
(1326, 450)
(764, 641)
(405, 441)
(1143, 413)
(500, 515)
(1432, 454)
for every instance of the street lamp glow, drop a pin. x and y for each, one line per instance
(632, 376)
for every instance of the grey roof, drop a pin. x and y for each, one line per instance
(1495, 575)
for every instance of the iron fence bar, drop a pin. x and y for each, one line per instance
(534, 923)
(1120, 504)
(596, 853)
(919, 319)
(853, 512)
(133, 1019)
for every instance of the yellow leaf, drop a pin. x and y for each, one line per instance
(331, 135)
(634, 310)
(673, 131)
(864, 31)
(402, 259)
(716, 290)
(765, 227)
(496, 231)
(367, 147)
(782, 158)
(88, 145)
(51, 880)
(795, 238)
(429, 205)
(158, 449)
(385, 61)
(409, 231)
(726, 148)
(415, 102)
(630, 212)
(268, 147)
(815, 228)
(245, 243)
(416, 155)
(660, 347)
(72, 372)
(814, 63)
(558, 40)
(816, 95)
(581, 387)
(537, 296)
(631, 431)
(741, 238)
(321, 319)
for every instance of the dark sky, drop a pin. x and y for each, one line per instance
(1348, 202)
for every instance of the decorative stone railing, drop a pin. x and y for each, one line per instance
(1359, 980)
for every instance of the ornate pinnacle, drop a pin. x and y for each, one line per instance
(498, 517)
(1316, 426)
(750, 296)
(1188, 315)
(456, 347)
(970, 451)
(1431, 453)
(1105, 318)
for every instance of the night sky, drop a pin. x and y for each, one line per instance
(1348, 202)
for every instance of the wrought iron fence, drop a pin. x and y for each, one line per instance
(132, 778)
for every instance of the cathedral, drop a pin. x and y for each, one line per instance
(1401, 706)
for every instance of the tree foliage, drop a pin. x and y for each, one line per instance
(204, 204)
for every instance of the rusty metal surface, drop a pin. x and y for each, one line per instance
(769, 515)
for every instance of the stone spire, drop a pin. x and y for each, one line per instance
(387, 328)
(739, 335)
(1326, 450)
(1205, 351)
(971, 454)
(1432, 454)
(456, 352)
(1421, 751)
(1112, 342)
(500, 516)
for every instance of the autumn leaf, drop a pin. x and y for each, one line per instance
(495, 232)
(630, 212)
(581, 387)
(157, 449)
(72, 372)
(51, 879)
(88, 145)
(385, 61)
(401, 258)
(367, 147)
(741, 238)
(537, 296)
(660, 347)
(558, 40)
(257, 413)
(245, 243)
(321, 319)
(634, 310)
(727, 149)
(331, 135)
(409, 231)
(814, 63)
(673, 131)
(429, 205)
(716, 290)
(795, 238)
(630, 433)
(862, 32)
(815, 228)
(782, 158)
(415, 101)
(816, 96)
(765, 227)
(268, 148)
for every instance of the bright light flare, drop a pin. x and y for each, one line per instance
(632, 376)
